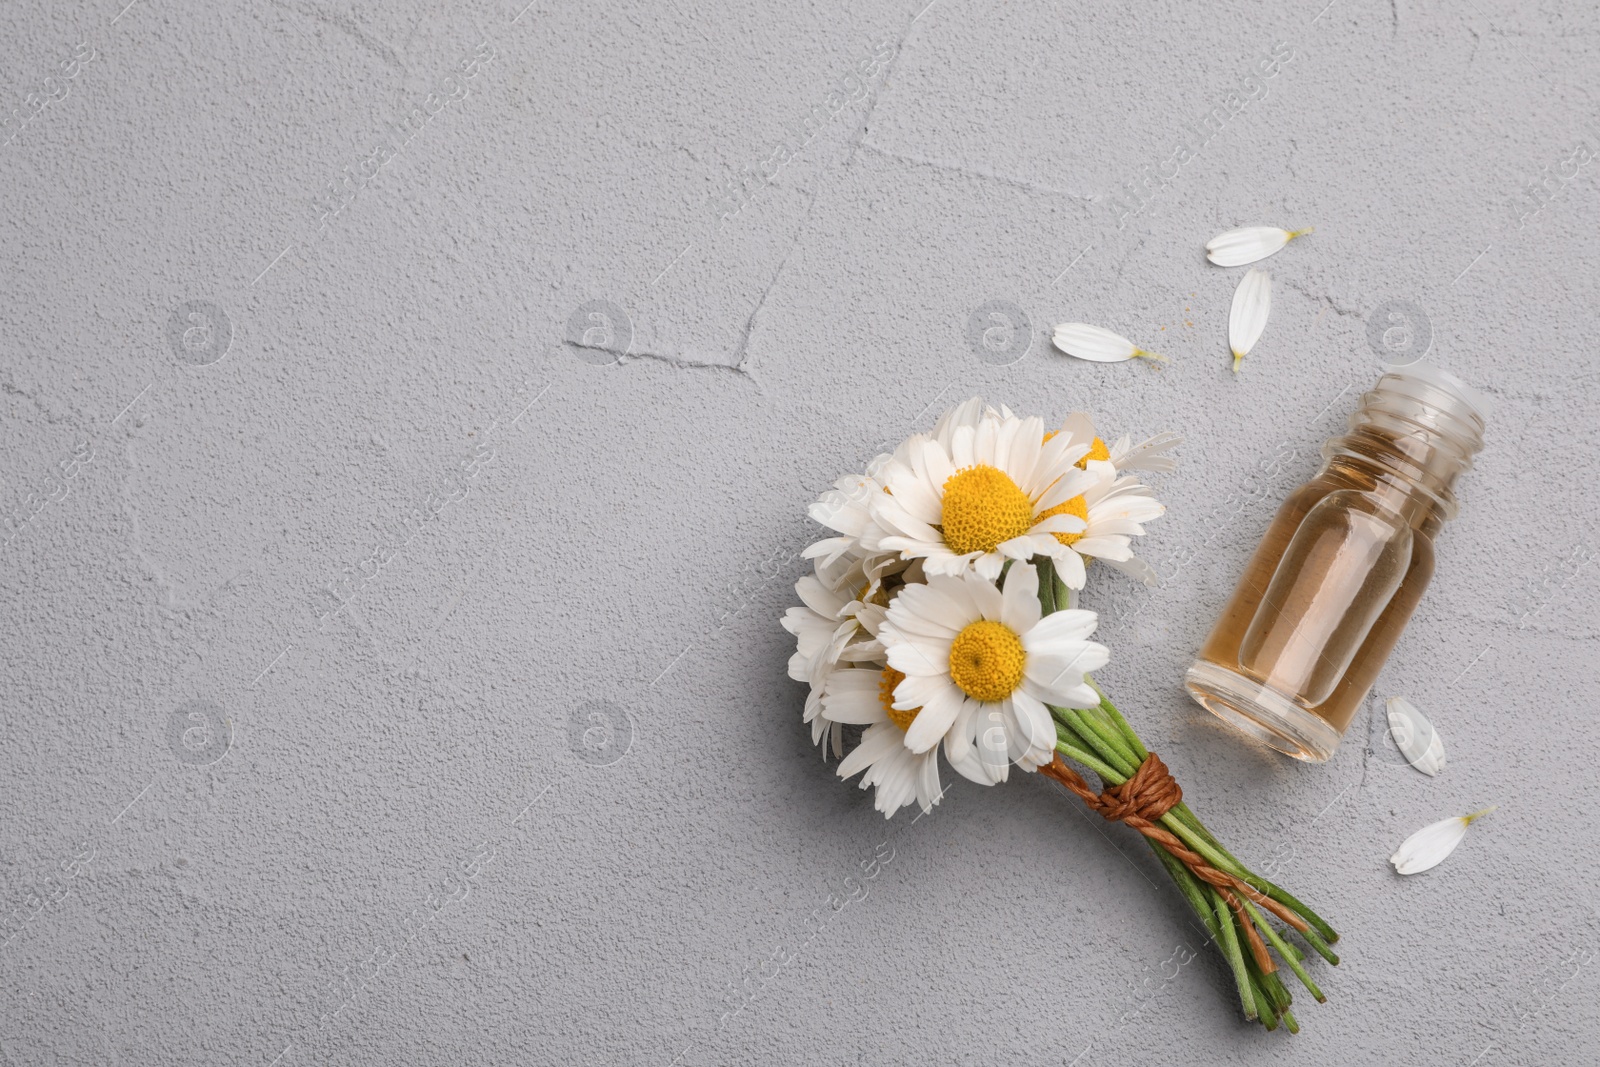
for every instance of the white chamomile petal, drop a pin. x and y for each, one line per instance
(898, 775)
(960, 748)
(992, 743)
(1416, 738)
(1428, 847)
(1249, 244)
(1115, 509)
(851, 696)
(1150, 455)
(1135, 568)
(1077, 431)
(1252, 303)
(1083, 341)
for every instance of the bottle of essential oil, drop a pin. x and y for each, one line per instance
(1336, 577)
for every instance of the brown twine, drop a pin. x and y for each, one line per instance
(1143, 799)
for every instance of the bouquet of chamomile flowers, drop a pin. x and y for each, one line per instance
(944, 615)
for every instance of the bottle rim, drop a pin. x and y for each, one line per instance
(1426, 402)
(1468, 400)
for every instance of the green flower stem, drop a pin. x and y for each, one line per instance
(1288, 954)
(1283, 896)
(1221, 859)
(1113, 738)
(1232, 863)
(1181, 810)
(1199, 844)
(1290, 901)
(1116, 756)
(1102, 740)
(1314, 939)
(1263, 1001)
(1270, 995)
(1190, 829)
(1269, 1015)
(1122, 724)
(1107, 773)
(1287, 899)
(1047, 586)
(1063, 595)
(1203, 899)
(1276, 991)
(1254, 1006)
(1209, 906)
(1193, 890)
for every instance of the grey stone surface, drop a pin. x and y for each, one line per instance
(538, 791)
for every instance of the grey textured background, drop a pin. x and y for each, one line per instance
(539, 792)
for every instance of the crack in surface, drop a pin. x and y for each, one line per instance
(678, 362)
(743, 353)
(72, 415)
(872, 100)
(1333, 305)
(740, 363)
(350, 27)
(987, 175)
(169, 597)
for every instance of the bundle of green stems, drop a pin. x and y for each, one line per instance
(1101, 740)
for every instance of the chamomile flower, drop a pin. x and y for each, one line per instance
(846, 509)
(865, 697)
(827, 632)
(998, 490)
(1149, 455)
(1114, 510)
(980, 664)
(820, 626)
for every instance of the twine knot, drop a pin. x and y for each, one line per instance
(1148, 795)
(1140, 802)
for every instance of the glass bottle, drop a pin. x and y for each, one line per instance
(1340, 569)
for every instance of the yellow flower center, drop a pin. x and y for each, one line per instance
(892, 678)
(879, 597)
(983, 507)
(1097, 450)
(1076, 506)
(986, 660)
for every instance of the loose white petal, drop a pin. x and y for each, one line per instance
(1238, 247)
(1415, 737)
(1428, 847)
(1097, 345)
(1252, 303)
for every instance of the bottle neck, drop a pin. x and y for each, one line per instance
(1413, 436)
